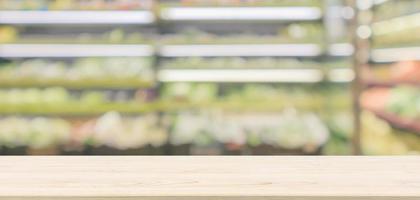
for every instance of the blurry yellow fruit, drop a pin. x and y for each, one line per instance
(378, 138)
(8, 34)
(61, 5)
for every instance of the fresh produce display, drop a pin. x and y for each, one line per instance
(390, 9)
(405, 102)
(294, 33)
(396, 24)
(237, 63)
(37, 132)
(399, 105)
(379, 138)
(288, 129)
(406, 71)
(115, 36)
(111, 130)
(390, 120)
(390, 75)
(75, 4)
(116, 105)
(8, 34)
(57, 100)
(403, 38)
(81, 73)
(198, 3)
(253, 96)
(119, 132)
(250, 63)
(340, 124)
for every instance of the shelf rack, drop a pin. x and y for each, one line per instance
(255, 75)
(178, 14)
(242, 14)
(389, 26)
(77, 17)
(389, 55)
(245, 75)
(248, 50)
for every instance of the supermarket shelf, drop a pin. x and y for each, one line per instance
(254, 75)
(76, 109)
(210, 177)
(76, 17)
(244, 75)
(266, 105)
(395, 54)
(73, 50)
(76, 84)
(396, 24)
(286, 50)
(242, 14)
(341, 49)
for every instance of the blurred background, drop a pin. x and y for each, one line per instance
(209, 77)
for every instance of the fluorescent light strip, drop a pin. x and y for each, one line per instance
(341, 75)
(303, 50)
(76, 17)
(244, 13)
(396, 24)
(395, 54)
(73, 50)
(245, 75)
(342, 49)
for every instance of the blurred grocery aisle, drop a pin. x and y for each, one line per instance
(212, 77)
(391, 77)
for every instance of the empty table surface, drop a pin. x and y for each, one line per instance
(209, 177)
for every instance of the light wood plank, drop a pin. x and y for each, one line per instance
(206, 177)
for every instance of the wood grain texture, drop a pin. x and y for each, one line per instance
(207, 177)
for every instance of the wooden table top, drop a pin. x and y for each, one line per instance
(209, 177)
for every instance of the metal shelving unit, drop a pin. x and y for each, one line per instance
(285, 15)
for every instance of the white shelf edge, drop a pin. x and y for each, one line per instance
(242, 13)
(341, 49)
(395, 54)
(76, 17)
(396, 24)
(244, 75)
(341, 75)
(74, 50)
(286, 50)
